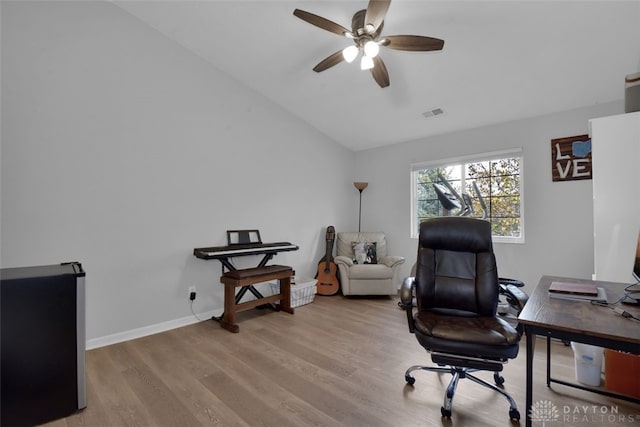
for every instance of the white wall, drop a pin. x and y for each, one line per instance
(558, 216)
(123, 151)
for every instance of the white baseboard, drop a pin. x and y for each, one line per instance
(148, 330)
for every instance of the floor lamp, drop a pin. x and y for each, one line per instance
(360, 186)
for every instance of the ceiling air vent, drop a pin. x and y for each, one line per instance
(433, 113)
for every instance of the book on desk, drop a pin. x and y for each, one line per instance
(577, 291)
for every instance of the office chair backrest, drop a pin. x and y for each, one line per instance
(456, 269)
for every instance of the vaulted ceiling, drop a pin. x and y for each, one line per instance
(502, 60)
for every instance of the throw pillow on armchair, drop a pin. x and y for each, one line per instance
(365, 252)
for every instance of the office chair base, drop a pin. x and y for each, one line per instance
(457, 374)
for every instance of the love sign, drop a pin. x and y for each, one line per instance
(571, 158)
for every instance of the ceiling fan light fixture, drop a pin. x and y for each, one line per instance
(366, 33)
(366, 63)
(350, 53)
(371, 48)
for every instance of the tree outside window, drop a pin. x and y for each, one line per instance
(498, 181)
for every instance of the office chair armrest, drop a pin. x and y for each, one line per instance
(344, 260)
(515, 296)
(506, 281)
(406, 300)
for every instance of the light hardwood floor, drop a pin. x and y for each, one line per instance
(336, 362)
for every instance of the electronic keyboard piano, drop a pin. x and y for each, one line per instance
(223, 253)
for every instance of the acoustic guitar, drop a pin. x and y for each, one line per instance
(327, 279)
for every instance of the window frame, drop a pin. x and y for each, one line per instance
(461, 160)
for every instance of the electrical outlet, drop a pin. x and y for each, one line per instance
(192, 293)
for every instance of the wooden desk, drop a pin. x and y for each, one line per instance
(578, 321)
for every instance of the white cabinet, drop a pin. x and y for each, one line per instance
(616, 194)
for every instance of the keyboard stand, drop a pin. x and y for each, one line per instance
(224, 255)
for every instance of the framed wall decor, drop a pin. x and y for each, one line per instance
(571, 158)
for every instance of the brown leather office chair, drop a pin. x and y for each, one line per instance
(457, 290)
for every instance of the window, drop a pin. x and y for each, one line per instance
(483, 186)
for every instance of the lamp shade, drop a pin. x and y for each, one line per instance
(360, 185)
(350, 53)
(366, 63)
(371, 48)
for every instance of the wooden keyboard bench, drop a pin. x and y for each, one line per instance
(246, 278)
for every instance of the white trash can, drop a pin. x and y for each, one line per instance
(588, 361)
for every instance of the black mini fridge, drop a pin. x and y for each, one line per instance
(42, 343)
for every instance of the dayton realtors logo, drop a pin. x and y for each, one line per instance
(545, 411)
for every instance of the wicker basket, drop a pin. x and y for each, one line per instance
(303, 290)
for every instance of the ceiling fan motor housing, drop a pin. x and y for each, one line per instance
(358, 27)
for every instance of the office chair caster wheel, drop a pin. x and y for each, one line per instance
(514, 414)
(499, 380)
(446, 412)
(409, 379)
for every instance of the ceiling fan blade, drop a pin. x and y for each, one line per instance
(321, 22)
(379, 72)
(376, 11)
(329, 61)
(414, 43)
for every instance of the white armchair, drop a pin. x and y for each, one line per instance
(357, 278)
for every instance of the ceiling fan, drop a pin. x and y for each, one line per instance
(366, 27)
